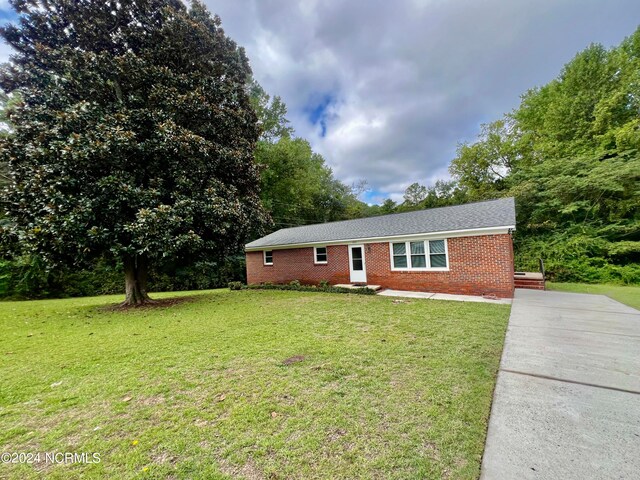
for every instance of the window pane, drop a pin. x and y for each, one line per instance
(438, 261)
(357, 264)
(417, 248)
(356, 253)
(321, 254)
(436, 246)
(268, 257)
(418, 261)
(399, 261)
(399, 249)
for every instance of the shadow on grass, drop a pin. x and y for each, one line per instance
(153, 304)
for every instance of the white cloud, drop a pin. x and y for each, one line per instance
(409, 79)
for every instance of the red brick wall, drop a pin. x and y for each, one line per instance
(477, 265)
(297, 264)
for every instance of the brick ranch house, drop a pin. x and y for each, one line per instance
(463, 249)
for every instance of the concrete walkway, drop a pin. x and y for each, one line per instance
(567, 398)
(442, 296)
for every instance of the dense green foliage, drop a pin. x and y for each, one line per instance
(29, 277)
(6, 104)
(297, 188)
(134, 138)
(570, 155)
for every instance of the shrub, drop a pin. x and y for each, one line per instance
(571, 257)
(235, 285)
(197, 276)
(324, 284)
(28, 277)
(294, 283)
(313, 288)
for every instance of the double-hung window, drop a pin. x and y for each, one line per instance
(268, 257)
(399, 255)
(320, 255)
(419, 255)
(437, 254)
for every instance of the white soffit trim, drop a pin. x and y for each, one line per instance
(474, 232)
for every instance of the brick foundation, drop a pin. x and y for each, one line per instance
(478, 265)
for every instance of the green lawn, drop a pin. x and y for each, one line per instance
(201, 389)
(627, 294)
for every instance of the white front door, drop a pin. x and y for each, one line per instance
(357, 268)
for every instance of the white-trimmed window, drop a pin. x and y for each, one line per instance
(320, 255)
(420, 255)
(268, 257)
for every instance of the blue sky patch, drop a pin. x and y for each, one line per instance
(317, 111)
(8, 15)
(373, 196)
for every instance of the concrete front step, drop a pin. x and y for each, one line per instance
(375, 288)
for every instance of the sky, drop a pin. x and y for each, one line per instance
(386, 90)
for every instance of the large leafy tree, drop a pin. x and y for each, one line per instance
(482, 167)
(298, 188)
(570, 154)
(272, 114)
(134, 137)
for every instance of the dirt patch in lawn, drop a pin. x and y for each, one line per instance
(249, 470)
(294, 359)
(153, 304)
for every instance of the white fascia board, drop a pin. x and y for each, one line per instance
(474, 232)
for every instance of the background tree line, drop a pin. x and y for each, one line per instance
(570, 155)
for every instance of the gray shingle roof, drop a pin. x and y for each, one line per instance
(492, 213)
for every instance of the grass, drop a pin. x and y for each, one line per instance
(208, 388)
(627, 294)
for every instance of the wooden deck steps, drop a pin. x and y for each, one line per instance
(530, 280)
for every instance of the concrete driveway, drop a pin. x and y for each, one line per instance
(567, 398)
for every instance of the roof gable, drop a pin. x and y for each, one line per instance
(492, 213)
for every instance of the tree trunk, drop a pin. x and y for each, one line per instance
(135, 281)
